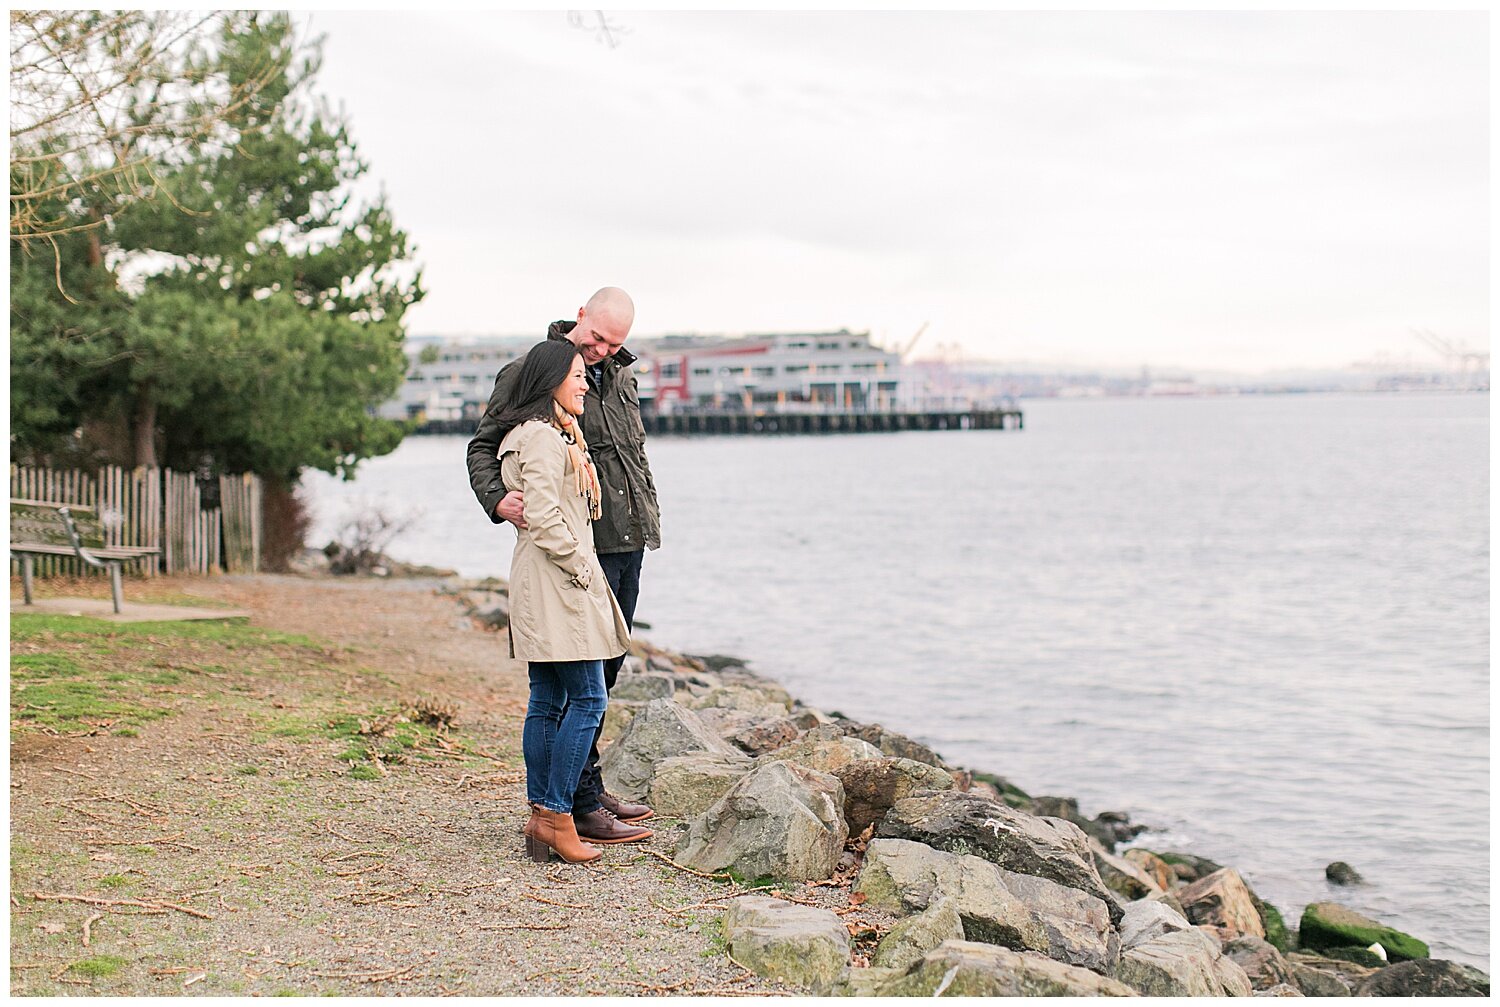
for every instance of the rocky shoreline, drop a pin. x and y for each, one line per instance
(993, 891)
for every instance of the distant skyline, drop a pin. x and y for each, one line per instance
(1233, 191)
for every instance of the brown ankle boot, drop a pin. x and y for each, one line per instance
(529, 829)
(554, 831)
(599, 826)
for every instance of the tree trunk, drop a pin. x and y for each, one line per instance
(96, 248)
(145, 431)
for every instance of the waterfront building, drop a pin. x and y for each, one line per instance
(784, 372)
(449, 379)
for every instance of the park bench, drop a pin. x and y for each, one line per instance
(39, 528)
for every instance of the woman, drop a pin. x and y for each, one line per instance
(564, 621)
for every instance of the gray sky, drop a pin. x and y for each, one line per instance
(1214, 190)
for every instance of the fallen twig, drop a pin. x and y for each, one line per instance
(663, 857)
(87, 926)
(335, 832)
(658, 988)
(550, 972)
(360, 870)
(523, 926)
(367, 977)
(95, 901)
(372, 898)
(549, 902)
(351, 856)
(173, 840)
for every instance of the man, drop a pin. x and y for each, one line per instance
(630, 524)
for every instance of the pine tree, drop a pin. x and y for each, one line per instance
(240, 311)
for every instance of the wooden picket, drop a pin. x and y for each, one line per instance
(240, 506)
(154, 507)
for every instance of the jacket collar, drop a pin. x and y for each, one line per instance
(621, 357)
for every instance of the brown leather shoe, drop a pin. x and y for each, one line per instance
(623, 811)
(554, 833)
(600, 826)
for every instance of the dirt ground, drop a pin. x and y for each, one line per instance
(230, 809)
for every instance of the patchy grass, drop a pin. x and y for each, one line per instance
(391, 734)
(232, 632)
(99, 966)
(70, 673)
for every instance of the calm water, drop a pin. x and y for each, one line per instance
(1260, 625)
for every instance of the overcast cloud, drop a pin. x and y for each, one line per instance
(1215, 190)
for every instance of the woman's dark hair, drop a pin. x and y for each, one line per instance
(545, 366)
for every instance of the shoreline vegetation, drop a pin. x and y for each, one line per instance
(326, 800)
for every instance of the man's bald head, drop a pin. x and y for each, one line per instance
(603, 324)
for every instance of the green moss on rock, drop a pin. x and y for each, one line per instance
(1328, 925)
(1275, 926)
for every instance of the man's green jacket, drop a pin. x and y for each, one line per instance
(617, 442)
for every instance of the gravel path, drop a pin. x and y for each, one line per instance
(227, 848)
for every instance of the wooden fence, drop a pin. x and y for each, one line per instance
(155, 507)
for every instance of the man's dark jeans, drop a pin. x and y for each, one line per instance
(623, 571)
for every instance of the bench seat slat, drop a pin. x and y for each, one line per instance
(114, 552)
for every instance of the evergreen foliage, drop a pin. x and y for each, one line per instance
(242, 311)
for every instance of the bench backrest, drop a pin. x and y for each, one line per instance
(39, 522)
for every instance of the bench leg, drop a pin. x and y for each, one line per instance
(114, 584)
(26, 561)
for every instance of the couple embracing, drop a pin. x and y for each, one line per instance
(560, 453)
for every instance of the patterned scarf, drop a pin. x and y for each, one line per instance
(585, 479)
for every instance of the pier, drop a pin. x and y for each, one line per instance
(724, 423)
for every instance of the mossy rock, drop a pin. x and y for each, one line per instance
(1275, 926)
(1327, 925)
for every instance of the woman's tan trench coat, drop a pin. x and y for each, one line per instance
(561, 607)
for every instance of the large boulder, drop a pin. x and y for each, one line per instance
(1147, 920)
(911, 938)
(823, 749)
(685, 786)
(1223, 902)
(781, 821)
(1330, 925)
(764, 700)
(763, 736)
(867, 982)
(968, 824)
(1425, 977)
(1280, 990)
(872, 786)
(789, 943)
(1262, 962)
(967, 969)
(1182, 963)
(660, 730)
(1320, 976)
(1319, 982)
(893, 744)
(995, 905)
(617, 717)
(1120, 876)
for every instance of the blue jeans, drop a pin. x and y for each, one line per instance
(623, 571)
(562, 718)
